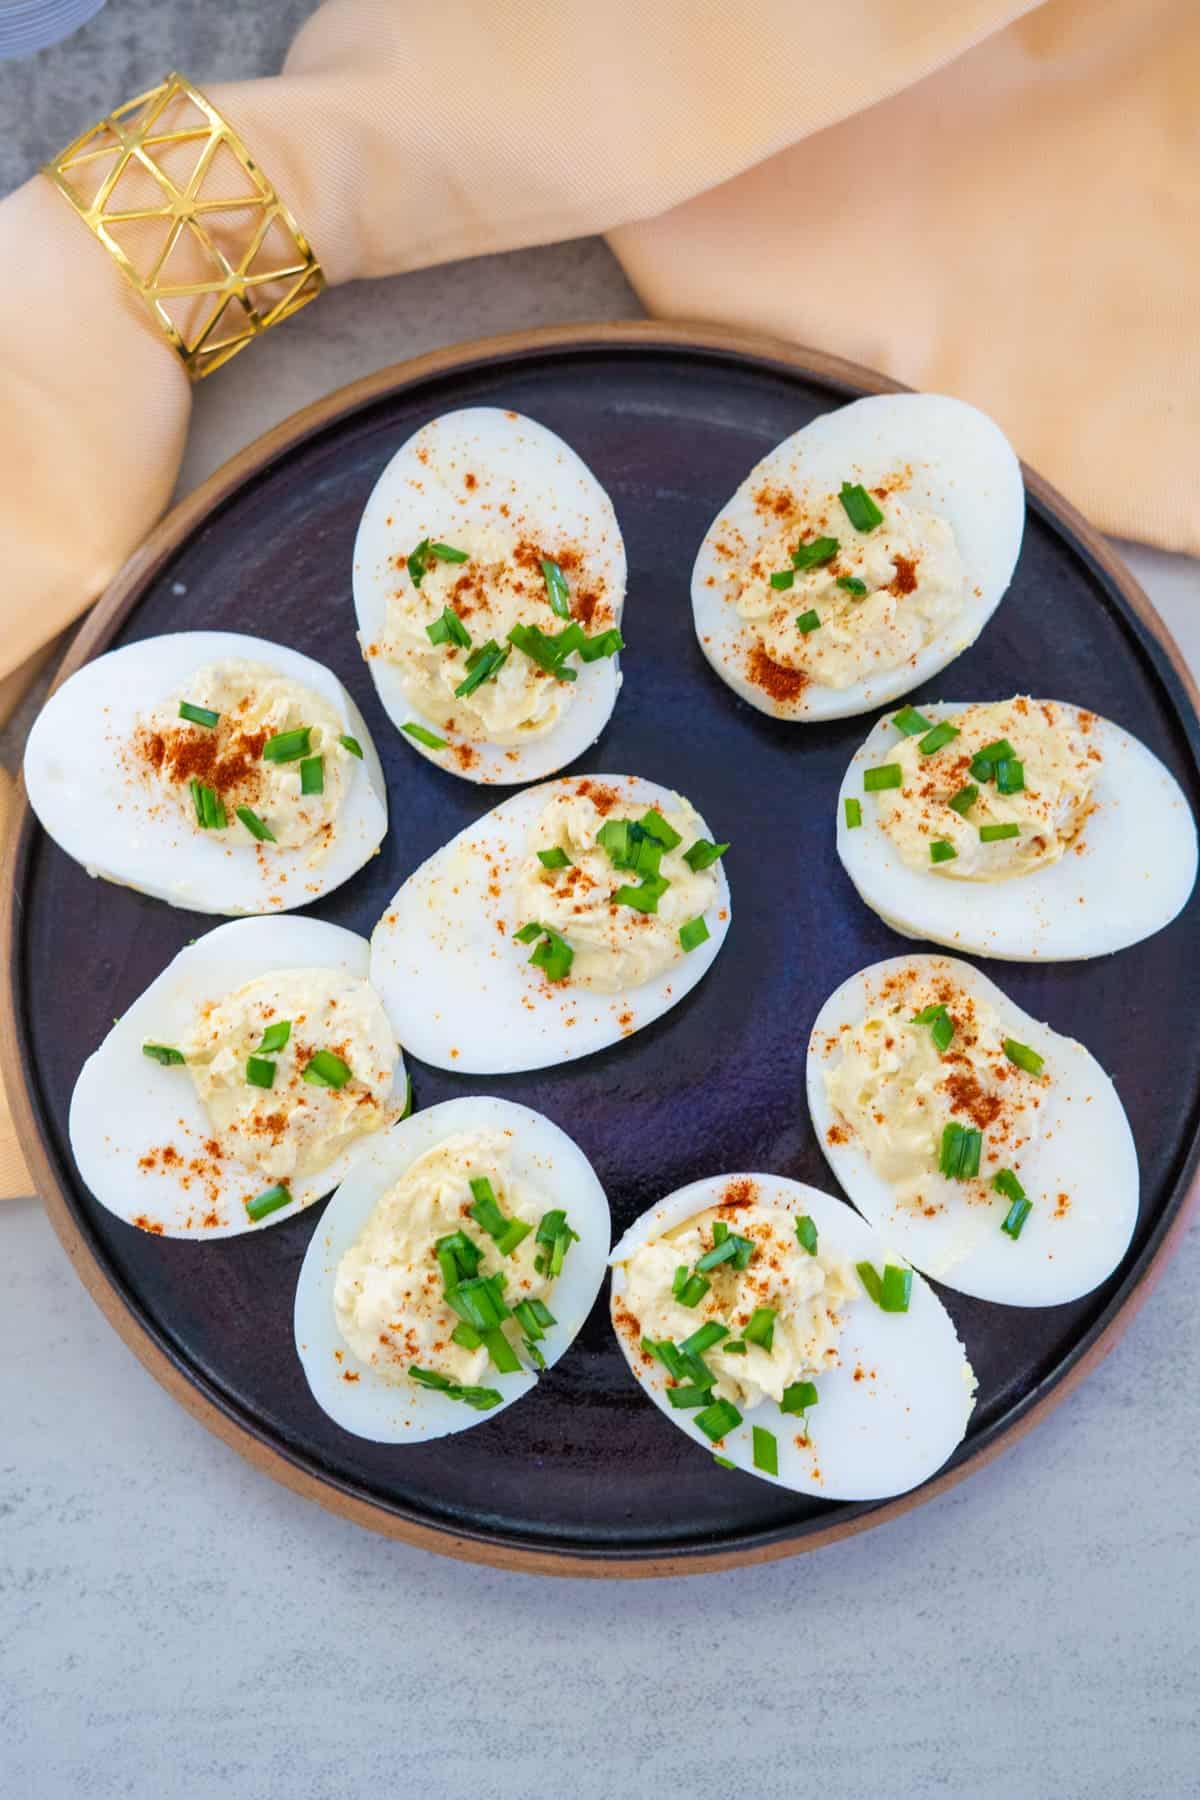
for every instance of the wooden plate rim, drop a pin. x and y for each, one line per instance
(110, 611)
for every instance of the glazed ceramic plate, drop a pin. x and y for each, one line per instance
(586, 1476)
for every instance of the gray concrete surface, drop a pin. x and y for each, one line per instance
(172, 1625)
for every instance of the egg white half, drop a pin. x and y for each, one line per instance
(125, 1105)
(463, 995)
(1131, 871)
(421, 493)
(392, 1412)
(127, 831)
(962, 467)
(1085, 1152)
(880, 1434)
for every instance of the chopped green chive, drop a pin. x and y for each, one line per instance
(466, 1335)
(723, 1250)
(1024, 1057)
(869, 1276)
(547, 650)
(327, 1070)
(940, 1023)
(884, 775)
(458, 1257)
(718, 1419)
(852, 585)
(859, 507)
(556, 858)
(485, 1209)
(693, 934)
(604, 643)
(483, 665)
(1014, 1219)
(693, 1291)
(983, 763)
(500, 1351)
(703, 1338)
(723, 1462)
(553, 955)
(1010, 775)
(258, 828)
(647, 856)
(657, 826)
(166, 1054)
(892, 1290)
(533, 1317)
(449, 629)
(896, 1289)
(783, 578)
(447, 553)
(1006, 1183)
(198, 715)
(679, 1282)
(734, 1348)
(352, 744)
(408, 1098)
(703, 853)
(761, 1329)
(557, 1237)
(994, 834)
(514, 1233)
(766, 1450)
(421, 736)
(481, 1398)
(312, 775)
(808, 621)
(938, 738)
(961, 1146)
(964, 800)
(210, 810)
(479, 1301)
(260, 1071)
(287, 746)
(853, 813)
(815, 552)
(806, 1234)
(615, 837)
(645, 897)
(744, 1249)
(942, 850)
(533, 1353)
(720, 1231)
(802, 1394)
(269, 1201)
(911, 722)
(689, 1396)
(415, 562)
(557, 591)
(275, 1037)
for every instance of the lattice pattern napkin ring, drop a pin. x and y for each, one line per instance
(174, 195)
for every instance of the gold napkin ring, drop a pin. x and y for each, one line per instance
(177, 200)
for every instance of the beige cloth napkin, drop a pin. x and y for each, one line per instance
(989, 197)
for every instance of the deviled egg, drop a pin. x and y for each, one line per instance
(777, 1329)
(564, 920)
(217, 772)
(457, 1261)
(1021, 829)
(489, 580)
(241, 1084)
(990, 1150)
(860, 557)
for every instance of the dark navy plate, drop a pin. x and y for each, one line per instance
(587, 1476)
